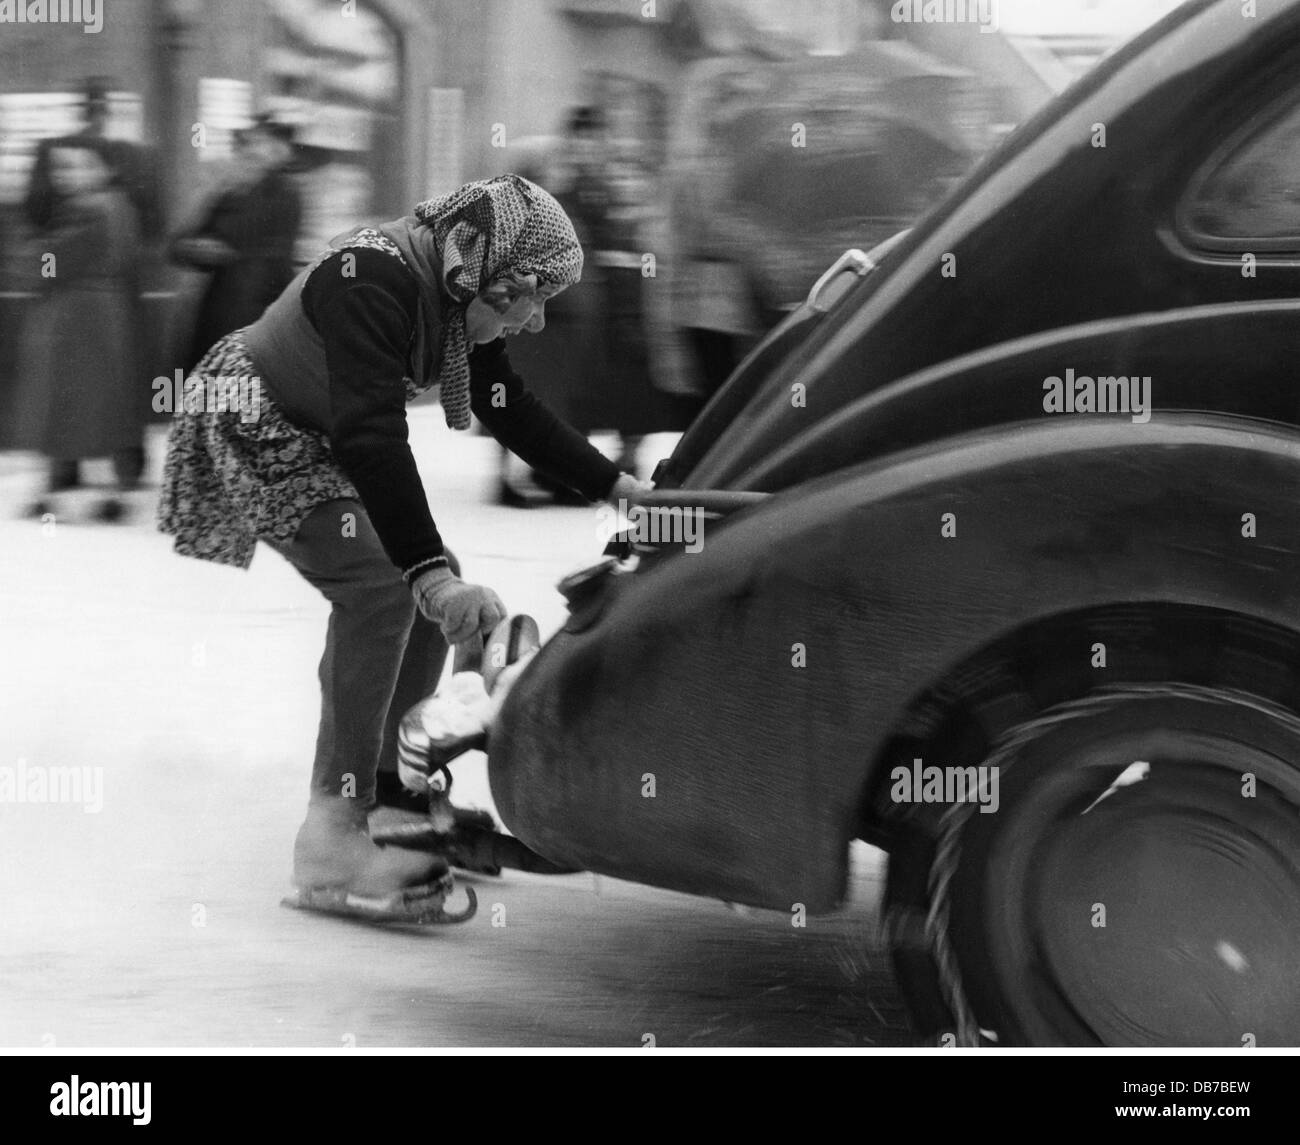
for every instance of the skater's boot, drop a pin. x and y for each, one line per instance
(334, 850)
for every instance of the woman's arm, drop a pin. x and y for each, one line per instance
(520, 422)
(365, 322)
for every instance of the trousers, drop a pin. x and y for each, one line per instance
(381, 655)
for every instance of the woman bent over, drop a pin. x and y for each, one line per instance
(385, 314)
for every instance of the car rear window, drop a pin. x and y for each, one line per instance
(1249, 196)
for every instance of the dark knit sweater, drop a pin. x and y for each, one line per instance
(366, 322)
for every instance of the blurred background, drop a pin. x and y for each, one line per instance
(716, 157)
(667, 124)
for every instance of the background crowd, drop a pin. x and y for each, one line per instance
(703, 219)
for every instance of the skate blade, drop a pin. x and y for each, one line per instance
(419, 906)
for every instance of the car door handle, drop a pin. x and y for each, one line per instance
(713, 502)
(857, 261)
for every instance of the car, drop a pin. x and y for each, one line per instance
(999, 571)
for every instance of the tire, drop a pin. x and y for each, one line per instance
(1160, 911)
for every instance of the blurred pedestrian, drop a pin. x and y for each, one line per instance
(561, 361)
(135, 174)
(323, 473)
(76, 360)
(628, 396)
(728, 274)
(132, 165)
(244, 238)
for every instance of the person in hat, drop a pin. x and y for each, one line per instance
(324, 473)
(244, 239)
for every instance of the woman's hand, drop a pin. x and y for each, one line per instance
(461, 610)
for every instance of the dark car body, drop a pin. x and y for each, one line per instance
(765, 684)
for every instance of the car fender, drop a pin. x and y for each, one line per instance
(714, 731)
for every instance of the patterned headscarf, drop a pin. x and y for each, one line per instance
(481, 231)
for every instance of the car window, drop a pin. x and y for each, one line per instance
(1248, 197)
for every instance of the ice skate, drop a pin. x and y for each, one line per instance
(440, 729)
(456, 719)
(339, 869)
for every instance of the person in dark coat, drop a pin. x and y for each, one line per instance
(135, 174)
(321, 469)
(629, 400)
(563, 360)
(245, 238)
(586, 197)
(76, 357)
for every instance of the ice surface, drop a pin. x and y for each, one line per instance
(154, 920)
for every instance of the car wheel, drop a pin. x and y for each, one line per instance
(1137, 885)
